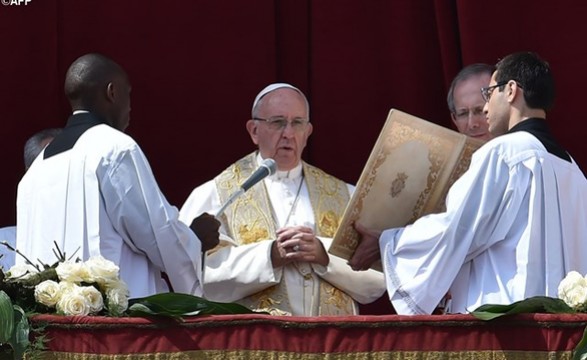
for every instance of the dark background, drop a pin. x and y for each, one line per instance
(196, 66)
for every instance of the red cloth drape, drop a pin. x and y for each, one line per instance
(197, 65)
(522, 337)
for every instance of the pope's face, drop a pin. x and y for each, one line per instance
(285, 145)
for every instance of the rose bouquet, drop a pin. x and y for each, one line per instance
(84, 288)
(73, 287)
(66, 287)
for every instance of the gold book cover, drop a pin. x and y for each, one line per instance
(411, 167)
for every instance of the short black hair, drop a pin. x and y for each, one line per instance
(34, 145)
(532, 73)
(87, 75)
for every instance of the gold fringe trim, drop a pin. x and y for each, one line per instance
(276, 355)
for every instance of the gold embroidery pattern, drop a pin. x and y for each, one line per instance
(329, 197)
(249, 219)
(337, 298)
(253, 234)
(263, 299)
(329, 223)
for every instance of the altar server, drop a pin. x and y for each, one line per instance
(515, 222)
(93, 193)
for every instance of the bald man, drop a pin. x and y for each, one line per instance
(277, 234)
(92, 191)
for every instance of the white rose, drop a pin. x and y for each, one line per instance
(101, 269)
(73, 303)
(21, 271)
(117, 298)
(570, 281)
(66, 286)
(94, 298)
(47, 293)
(75, 272)
(573, 289)
(115, 284)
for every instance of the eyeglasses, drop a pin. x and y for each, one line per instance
(487, 91)
(278, 123)
(464, 114)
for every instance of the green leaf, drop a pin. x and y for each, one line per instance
(177, 305)
(580, 352)
(146, 309)
(536, 304)
(218, 308)
(6, 318)
(20, 337)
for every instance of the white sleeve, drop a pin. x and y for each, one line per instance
(232, 272)
(202, 199)
(235, 272)
(363, 286)
(422, 260)
(148, 223)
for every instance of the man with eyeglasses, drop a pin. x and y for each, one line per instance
(515, 221)
(466, 103)
(276, 235)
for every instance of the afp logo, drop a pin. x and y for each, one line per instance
(15, 2)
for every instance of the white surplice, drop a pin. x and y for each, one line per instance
(101, 198)
(515, 225)
(235, 272)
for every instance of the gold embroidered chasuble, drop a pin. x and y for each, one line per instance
(251, 219)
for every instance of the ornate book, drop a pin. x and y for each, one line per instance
(408, 174)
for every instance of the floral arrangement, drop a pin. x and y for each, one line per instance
(77, 288)
(73, 287)
(67, 287)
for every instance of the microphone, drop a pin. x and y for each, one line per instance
(266, 168)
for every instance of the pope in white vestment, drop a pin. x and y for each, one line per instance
(100, 198)
(242, 270)
(515, 225)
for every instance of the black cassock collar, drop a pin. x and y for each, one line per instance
(539, 128)
(76, 125)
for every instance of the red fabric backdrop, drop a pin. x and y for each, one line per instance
(197, 65)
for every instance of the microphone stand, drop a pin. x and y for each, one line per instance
(229, 201)
(267, 166)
